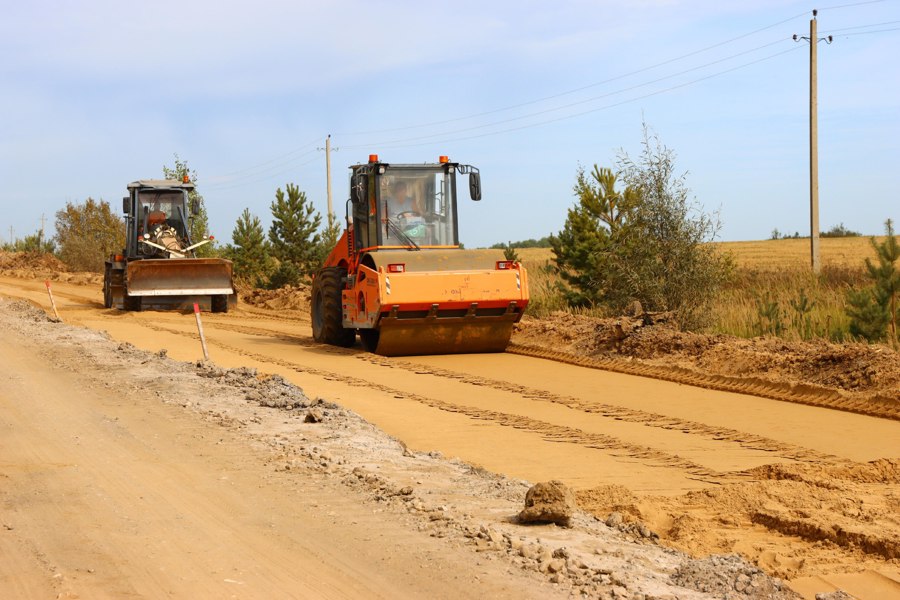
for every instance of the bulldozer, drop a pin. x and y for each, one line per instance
(399, 277)
(158, 266)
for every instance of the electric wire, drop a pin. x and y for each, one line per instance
(403, 144)
(277, 158)
(408, 142)
(581, 88)
(249, 180)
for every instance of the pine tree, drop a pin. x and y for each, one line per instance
(250, 252)
(294, 235)
(330, 235)
(200, 221)
(875, 311)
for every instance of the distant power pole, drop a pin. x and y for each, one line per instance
(813, 142)
(41, 236)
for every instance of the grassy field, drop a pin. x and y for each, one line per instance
(773, 290)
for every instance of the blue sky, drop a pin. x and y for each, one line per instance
(97, 94)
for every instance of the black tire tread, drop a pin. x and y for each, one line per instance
(328, 326)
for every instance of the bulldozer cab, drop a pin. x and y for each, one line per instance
(405, 206)
(156, 207)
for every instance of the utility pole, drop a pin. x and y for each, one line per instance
(813, 142)
(41, 236)
(328, 174)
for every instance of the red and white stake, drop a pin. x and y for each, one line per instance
(200, 329)
(52, 302)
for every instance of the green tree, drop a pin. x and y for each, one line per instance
(294, 236)
(840, 231)
(329, 238)
(250, 252)
(646, 242)
(874, 311)
(509, 252)
(199, 223)
(87, 234)
(32, 243)
(596, 231)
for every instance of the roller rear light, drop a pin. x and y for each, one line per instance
(396, 268)
(503, 265)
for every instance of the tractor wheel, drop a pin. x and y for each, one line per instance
(327, 316)
(369, 339)
(219, 303)
(132, 302)
(107, 287)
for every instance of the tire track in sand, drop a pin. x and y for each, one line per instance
(800, 393)
(745, 440)
(548, 431)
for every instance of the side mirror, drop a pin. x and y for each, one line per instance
(126, 205)
(195, 208)
(475, 186)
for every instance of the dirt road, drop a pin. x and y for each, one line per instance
(810, 494)
(106, 492)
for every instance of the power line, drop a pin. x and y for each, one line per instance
(869, 32)
(574, 115)
(255, 179)
(861, 26)
(851, 5)
(403, 142)
(581, 88)
(276, 159)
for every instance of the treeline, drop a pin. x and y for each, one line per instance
(544, 242)
(837, 231)
(292, 249)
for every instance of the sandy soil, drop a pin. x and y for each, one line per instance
(807, 493)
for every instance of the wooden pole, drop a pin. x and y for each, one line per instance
(813, 150)
(200, 329)
(52, 302)
(328, 175)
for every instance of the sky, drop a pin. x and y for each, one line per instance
(97, 94)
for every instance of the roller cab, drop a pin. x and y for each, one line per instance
(399, 278)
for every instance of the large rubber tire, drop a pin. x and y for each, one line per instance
(218, 303)
(107, 282)
(132, 303)
(369, 338)
(327, 315)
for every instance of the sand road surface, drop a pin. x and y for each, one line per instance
(808, 494)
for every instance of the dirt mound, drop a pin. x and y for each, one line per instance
(873, 370)
(33, 265)
(289, 297)
(28, 311)
(34, 261)
(883, 470)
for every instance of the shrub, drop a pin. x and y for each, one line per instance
(875, 310)
(646, 242)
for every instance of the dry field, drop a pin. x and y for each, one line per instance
(768, 254)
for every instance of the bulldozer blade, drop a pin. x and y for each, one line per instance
(179, 277)
(452, 335)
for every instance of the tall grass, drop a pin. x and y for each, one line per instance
(791, 303)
